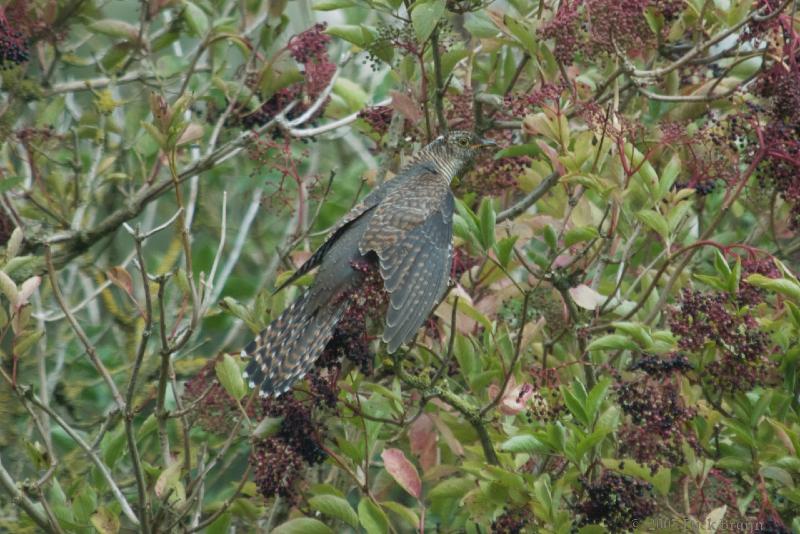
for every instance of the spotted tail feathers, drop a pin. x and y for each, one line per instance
(286, 350)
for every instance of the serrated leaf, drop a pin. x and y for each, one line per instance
(230, 376)
(372, 517)
(302, 525)
(335, 507)
(425, 17)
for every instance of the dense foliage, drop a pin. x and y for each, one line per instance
(619, 348)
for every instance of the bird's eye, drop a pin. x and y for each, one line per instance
(462, 141)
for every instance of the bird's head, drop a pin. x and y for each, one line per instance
(454, 152)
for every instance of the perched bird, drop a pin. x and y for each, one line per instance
(404, 226)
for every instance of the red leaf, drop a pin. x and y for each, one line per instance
(121, 278)
(406, 106)
(403, 471)
(422, 437)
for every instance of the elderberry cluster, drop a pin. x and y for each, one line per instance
(594, 27)
(780, 136)
(14, 46)
(658, 419)
(279, 460)
(616, 501)
(749, 294)
(658, 366)
(513, 521)
(350, 338)
(309, 49)
(400, 38)
(489, 176)
(311, 45)
(742, 349)
(378, 118)
(216, 411)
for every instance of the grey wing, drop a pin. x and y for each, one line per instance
(316, 259)
(416, 271)
(367, 204)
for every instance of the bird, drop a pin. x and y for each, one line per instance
(403, 227)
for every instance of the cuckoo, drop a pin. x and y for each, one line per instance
(404, 226)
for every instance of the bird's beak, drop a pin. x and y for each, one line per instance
(486, 143)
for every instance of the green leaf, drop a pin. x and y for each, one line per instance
(788, 288)
(588, 442)
(637, 331)
(372, 517)
(335, 507)
(551, 238)
(721, 264)
(582, 233)
(524, 443)
(403, 512)
(522, 33)
(669, 174)
(196, 19)
(504, 248)
(115, 28)
(332, 5)
(84, 504)
(9, 183)
(575, 406)
(487, 218)
(425, 17)
(655, 221)
(230, 376)
(112, 446)
(612, 342)
(105, 521)
(352, 93)
(451, 488)
(302, 525)
(529, 149)
(596, 397)
(358, 35)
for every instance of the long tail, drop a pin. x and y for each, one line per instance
(285, 351)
